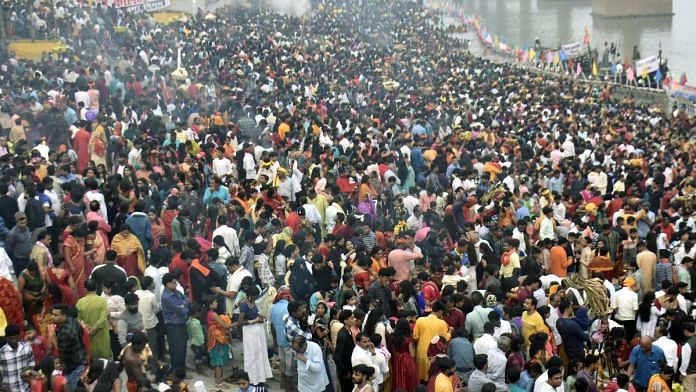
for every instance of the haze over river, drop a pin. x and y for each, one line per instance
(559, 22)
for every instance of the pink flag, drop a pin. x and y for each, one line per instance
(578, 71)
(549, 57)
(525, 56)
(630, 75)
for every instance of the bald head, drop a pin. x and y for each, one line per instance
(646, 343)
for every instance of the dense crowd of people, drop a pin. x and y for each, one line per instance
(349, 197)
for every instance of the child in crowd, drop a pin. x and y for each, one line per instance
(38, 344)
(195, 333)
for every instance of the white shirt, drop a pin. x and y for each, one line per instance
(551, 321)
(134, 156)
(95, 195)
(365, 357)
(518, 235)
(612, 292)
(234, 282)
(686, 358)
(312, 213)
(154, 273)
(559, 212)
(6, 268)
(222, 167)
(669, 347)
(484, 344)
(540, 295)
(541, 384)
(148, 308)
(414, 223)
(682, 303)
(82, 96)
(509, 183)
(249, 165)
(626, 304)
(496, 365)
(505, 327)
(231, 239)
(410, 202)
(331, 212)
(546, 229)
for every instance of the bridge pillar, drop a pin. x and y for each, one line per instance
(631, 8)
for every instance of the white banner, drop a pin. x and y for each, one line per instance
(651, 63)
(140, 5)
(572, 49)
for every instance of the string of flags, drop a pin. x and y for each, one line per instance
(564, 57)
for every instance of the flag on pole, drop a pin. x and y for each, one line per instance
(658, 77)
(613, 68)
(556, 58)
(630, 74)
(525, 56)
(644, 73)
(549, 57)
(578, 71)
(562, 55)
(532, 54)
(595, 71)
(683, 79)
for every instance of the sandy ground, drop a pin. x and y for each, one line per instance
(209, 377)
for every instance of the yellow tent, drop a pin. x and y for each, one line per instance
(27, 49)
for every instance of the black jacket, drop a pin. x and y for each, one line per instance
(36, 216)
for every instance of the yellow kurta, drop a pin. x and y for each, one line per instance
(425, 329)
(443, 383)
(321, 204)
(532, 324)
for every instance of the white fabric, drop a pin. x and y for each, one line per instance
(484, 344)
(669, 347)
(148, 308)
(6, 268)
(541, 384)
(311, 375)
(256, 353)
(231, 238)
(626, 304)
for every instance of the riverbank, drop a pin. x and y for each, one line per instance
(651, 97)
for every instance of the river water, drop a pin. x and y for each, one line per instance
(559, 22)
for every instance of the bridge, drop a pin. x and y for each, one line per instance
(631, 8)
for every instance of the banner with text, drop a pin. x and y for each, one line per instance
(140, 5)
(651, 64)
(573, 49)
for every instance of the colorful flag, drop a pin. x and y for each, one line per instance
(549, 57)
(683, 79)
(613, 68)
(658, 77)
(595, 71)
(644, 73)
(525, 56)
(556, 58)
(578, 71)
(630, 74)
(563, 55)
(532, 54)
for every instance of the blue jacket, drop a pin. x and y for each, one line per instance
(141, 227)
